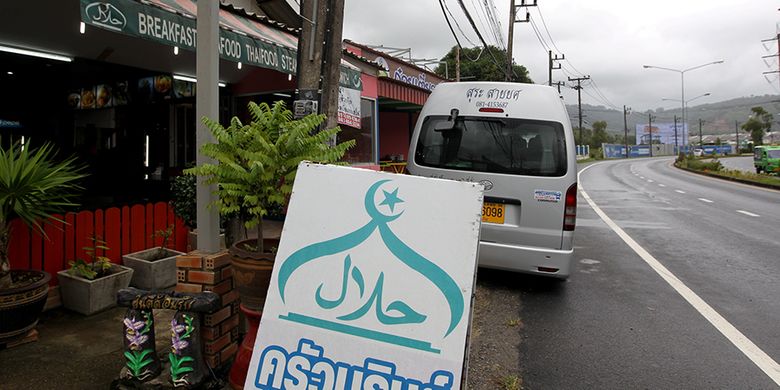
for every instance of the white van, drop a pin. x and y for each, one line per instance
(517, 141)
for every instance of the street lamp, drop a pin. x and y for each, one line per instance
(682, 81)
(685, 109)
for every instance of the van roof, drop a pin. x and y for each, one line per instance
(530, 101)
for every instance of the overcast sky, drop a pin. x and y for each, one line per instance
(609, 40)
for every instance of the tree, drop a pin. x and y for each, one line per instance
(600, 135)
(759, 122)
(478, 64)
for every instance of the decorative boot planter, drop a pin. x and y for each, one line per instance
(91, 296)
(153, 269)
(20, 306)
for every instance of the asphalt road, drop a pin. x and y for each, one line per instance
(616, 324)
(739, 163)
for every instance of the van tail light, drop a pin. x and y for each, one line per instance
(491, 109)
(570, 211)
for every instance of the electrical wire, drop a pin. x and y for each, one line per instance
(463, 33)
(479, 35)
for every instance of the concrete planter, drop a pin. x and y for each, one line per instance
(91, 296)
(150, 271)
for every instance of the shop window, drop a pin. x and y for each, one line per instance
(363, 152)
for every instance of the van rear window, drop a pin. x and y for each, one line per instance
(773, 153)
(494, 145)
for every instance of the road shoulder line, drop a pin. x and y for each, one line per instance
(739, 340)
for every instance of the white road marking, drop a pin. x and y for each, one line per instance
(747, 347)
(679, 191)
(748, 213)
(642, 177)
(705, 200)
(649, 181)
(661, 185)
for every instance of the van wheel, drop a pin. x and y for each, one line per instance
(758, 170)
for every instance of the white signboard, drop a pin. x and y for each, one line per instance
(349, 107)
(372, 284)
(662, 133)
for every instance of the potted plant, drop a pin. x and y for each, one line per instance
(33, 187)
(254, 172)
(91, 286)
(154, 268)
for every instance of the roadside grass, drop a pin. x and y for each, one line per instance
(713, 167)
(510, 382)
(514, 322)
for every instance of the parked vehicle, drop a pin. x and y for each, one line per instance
(698, 152)
(766, 159)
(517, 141)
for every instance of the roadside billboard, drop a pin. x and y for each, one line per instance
(662, 133)
(372, 283)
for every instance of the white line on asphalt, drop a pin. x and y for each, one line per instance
(748, 348)
(661, 185)
(642, 177)
(705, 200)
(679, 191)
(649, 181)
(748, 213)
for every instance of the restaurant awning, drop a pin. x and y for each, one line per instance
(172, 22)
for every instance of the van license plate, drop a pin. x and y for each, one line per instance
(493, 212)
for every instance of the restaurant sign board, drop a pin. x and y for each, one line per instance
(363, 295)
(156, 24)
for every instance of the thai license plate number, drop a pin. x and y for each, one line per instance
(493, 212)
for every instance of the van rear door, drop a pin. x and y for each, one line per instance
(520, 162)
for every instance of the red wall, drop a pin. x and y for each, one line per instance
(394, 129)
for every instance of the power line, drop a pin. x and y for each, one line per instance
(444, 6)
(479, 35)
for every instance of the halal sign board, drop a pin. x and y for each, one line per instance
(372, 283)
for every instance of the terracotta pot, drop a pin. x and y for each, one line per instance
(21, 306)
(240, 366)
(252, 272)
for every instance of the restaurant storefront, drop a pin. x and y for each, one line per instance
(112, 81)
(402, 89)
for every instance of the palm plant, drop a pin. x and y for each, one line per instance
(33, 187)
(257, 163)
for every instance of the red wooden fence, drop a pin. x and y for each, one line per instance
(125, 230)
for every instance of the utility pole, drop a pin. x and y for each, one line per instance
(559, 84)
(512, 20)
(650, 130)
(457, 63)
(319, 58)
(736, 131)
(579, 99)
(626, 111)
(552, 65)
(776, 38)
(701, 144)
(676, 151)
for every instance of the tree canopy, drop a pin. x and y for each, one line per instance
(759, 122)
(477, 64)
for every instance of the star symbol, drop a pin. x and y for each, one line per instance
(391, 198)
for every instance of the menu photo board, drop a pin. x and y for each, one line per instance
(363, 295)
(99, 96)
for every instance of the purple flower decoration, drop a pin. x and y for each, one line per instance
(178, 345)
(134, 325)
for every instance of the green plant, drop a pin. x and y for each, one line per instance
(98, 265)
(183, 199)
(256, 163)
(165, 235)
(33, 186)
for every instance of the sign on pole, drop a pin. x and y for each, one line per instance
(372, 284)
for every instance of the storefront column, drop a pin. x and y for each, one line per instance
(206, 105)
